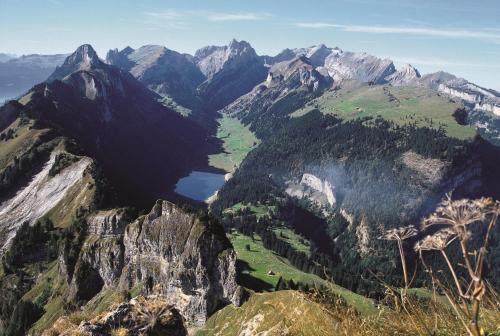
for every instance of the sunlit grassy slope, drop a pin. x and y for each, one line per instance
(279, 313)
(258, 261)
(402, 105)
(237, 139)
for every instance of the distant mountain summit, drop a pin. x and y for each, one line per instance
(84, 58)
(231, 71)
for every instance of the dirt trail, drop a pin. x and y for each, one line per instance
(37, 198)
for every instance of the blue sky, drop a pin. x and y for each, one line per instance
(461, 37)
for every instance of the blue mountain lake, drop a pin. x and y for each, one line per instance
(199, 185)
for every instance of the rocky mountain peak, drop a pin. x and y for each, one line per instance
(410, 70)
(212, 59)
(84, 58)
(407, 75)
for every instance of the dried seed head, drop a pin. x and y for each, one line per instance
(460, 213)
(401, 233)
(438, 241)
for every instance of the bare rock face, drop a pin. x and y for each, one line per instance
(178, 255)
(169, 252)
(359, 66)
(107, 222)
(99, 266)
(407, 75)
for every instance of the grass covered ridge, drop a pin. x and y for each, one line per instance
(402, 105)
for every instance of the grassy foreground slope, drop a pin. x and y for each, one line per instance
(257, 261)
(278, 313)
(296, 313)
(237, 139)
(402, 105)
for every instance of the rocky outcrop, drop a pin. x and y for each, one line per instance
(99, 266)
(151, 315)
(316, 54)
(107, 222)
(169, 252)
(341, 65)
(407, 75)
(176, 254)
(316, 190)
(319, 185)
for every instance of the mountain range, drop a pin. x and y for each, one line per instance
(321, 150)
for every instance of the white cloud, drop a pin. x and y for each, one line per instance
(236, 16)
(489, 35)
(165, 15)
(166, 19)
(175, 16)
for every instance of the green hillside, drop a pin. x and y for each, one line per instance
(237, 141)
(402, 105)
(259, 261)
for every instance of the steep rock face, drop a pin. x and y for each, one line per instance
(167, 252)
(231, 71)
(318, 191)
(107, 222)
(407, 75)
(99, 265)
(176, 254)
(317, 184)
(120, 58)
(212, 59)
(359, 66)
(84, 58)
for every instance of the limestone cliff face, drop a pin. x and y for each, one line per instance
(176, 254)
(107, 222)
(169, 252)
